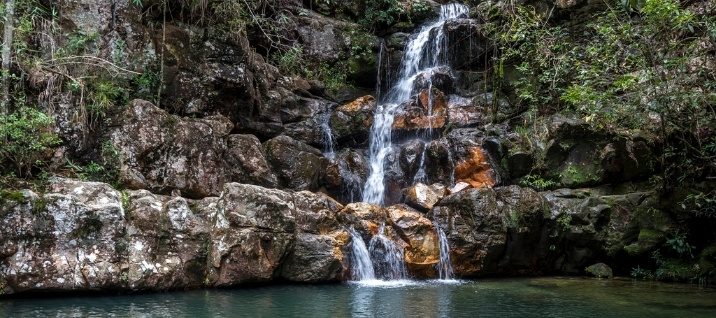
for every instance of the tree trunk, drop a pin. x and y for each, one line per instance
(7, 55)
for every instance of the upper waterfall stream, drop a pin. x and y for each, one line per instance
(425, 50)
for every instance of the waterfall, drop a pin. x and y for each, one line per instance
(328, 148)
(420, 175)
(444, 267)
(387, 257)
(361, 265)
(425, 50)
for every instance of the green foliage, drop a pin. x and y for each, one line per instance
(537, 182)
(27, 139)
(680, 245)
(639, 66)
(380, 13)
(106, 170)
(77, 43)
(104, 95)
(564, 221)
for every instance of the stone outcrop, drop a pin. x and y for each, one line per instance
(88, 236)
(494, 231)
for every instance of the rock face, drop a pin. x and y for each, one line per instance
(88, 236)
(162, 152)
(493, 231)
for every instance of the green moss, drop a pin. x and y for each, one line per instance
(577, 174)
(7, 196)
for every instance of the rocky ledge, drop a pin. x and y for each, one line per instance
(82, 236)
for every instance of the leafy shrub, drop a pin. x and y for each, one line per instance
(27, 139)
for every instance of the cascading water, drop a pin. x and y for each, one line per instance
(387, 257)
(444, 267)
(361, 266)
(424, 51)
(328, 148)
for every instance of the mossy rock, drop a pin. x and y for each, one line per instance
(575, 175)
(648, 240)
(599, 270)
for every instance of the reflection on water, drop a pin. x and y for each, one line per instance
(540, 297)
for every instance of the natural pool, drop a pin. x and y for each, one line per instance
(537, 297)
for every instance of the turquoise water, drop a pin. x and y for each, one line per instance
(540, 297)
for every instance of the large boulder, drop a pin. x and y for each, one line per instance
(161, 152)
(619, 225)
(422, 250)
(298, 165)
(494, 231)
(72, 238)
(165, 241)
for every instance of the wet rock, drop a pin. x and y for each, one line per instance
(494, 231)
(475, 170)
(465, 112)
(438, 78)
(599, 270)
(297, 165)
(411, 156)
(422, 251)
(427, 111)
(346, 175)
(353, 120)
(364, 217)
(316, 258)
(468, 44)
(423, 197)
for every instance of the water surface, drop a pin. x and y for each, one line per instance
(539, 297)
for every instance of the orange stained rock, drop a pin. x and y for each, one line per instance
(475, 170)
(438, 98)
(406, 121)
(359, 104)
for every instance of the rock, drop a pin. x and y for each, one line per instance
(410, 156)
(465, 112)
(599, 270)
(466, 52)
(164, 152)
(427, 111)
(615, 225)
(298, 166)
(364, 217)
(346, 175)
(423, 197)
(166, 242)
(438, 78)
(69, 239)
(422, 252)
(353, 120)
(519, 164)
(475, 170)
(459, 187)
(493, 231)
(258, 236)
(316, 258)
(249, 162)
